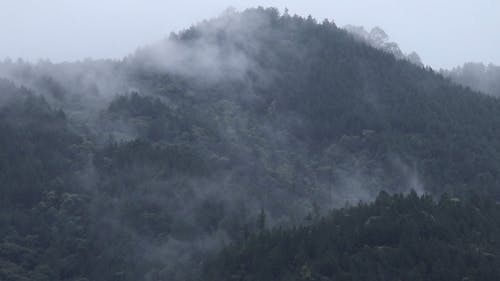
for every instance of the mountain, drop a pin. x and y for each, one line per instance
(141, 168)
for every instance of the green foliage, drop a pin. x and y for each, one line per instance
(39, 151)
(142, 185)
(395, 238)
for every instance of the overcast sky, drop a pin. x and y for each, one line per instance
(444, 32)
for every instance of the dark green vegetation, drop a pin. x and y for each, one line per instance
(138, 169)
(395, 238)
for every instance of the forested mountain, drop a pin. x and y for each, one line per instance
(140, 169)
(477, 76)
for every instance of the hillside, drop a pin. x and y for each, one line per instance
(138, 169)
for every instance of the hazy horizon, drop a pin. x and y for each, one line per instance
(444, 34)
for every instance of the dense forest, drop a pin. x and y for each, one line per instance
(394, 238)
(220, 152)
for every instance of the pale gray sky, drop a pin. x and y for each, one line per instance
(444, 32)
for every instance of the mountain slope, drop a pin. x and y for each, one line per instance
(144, 166)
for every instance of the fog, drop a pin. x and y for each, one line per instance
(445, 33)
(477, 76)
(188, 139)
(258, 164)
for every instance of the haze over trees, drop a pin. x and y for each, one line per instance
(219, 152)
(380, 40)
(477, 76)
